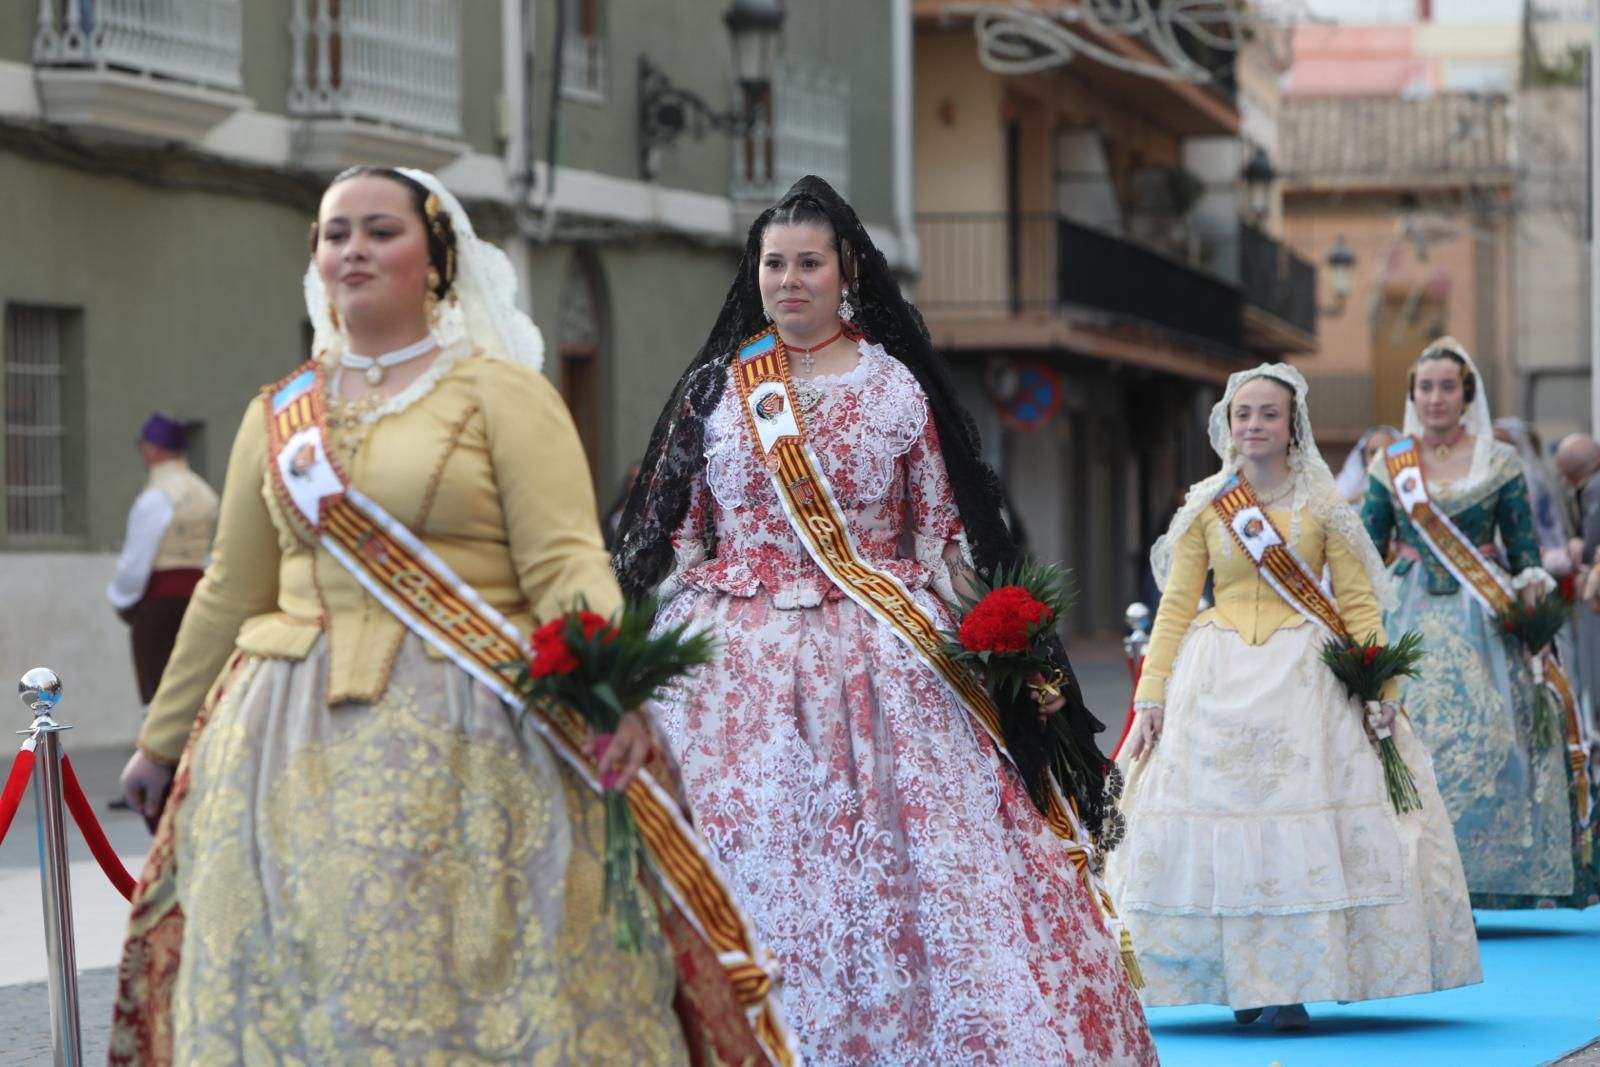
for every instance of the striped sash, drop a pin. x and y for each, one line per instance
(420, 589)
(1443, 537)
(1275, 559)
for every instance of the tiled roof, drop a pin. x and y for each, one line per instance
(1391, 138)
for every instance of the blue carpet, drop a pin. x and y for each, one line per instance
(1540, 998)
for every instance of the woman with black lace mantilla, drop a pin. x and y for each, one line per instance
(889, 851)
(369, 854)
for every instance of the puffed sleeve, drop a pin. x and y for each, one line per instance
(1514, 516)
(240, 583)
(1180, 602)
(1377, 512)
(938, 536)
(1358, 604)
(689, 548)
(546, 494)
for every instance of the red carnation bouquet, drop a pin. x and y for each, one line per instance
(1364, 667)
(1004, 638)
(601, 669)
(1535, 628)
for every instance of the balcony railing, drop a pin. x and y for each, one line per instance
(197, 41)
(396, 62)
(1276, 280)
(1001, 264)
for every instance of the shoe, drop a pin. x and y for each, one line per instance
(1291, 1017)
(1246, 1017)
(117, 803)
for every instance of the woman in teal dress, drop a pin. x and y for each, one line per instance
(1472, 701)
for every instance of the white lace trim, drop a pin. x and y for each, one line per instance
(687, 555)
(448, 357)
(896, 417)
(1148, 705)
(930, 553)
(1533, 576)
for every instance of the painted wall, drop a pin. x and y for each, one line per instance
(1394, 290)
(959, 127)
(693, 48)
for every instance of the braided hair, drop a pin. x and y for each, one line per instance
(660, 498)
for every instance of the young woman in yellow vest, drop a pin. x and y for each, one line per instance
(1264, 865)
(364, 857)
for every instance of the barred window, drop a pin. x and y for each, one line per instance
(808, 133)
(583, 51)
(39, 391)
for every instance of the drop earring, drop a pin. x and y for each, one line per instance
(847, 311)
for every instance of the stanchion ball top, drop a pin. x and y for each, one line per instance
(40, 689)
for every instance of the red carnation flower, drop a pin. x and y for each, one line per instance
(594, 623)
(550, 652)
(1568, 588)
(1369, 655)
(1002, 621)
(1510, 624)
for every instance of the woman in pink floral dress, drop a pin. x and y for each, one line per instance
(888, 851)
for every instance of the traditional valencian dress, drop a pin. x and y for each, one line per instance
(923, 912)
(1263, 862)
(365, 858)
(1513, 802)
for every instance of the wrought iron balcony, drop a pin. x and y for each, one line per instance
(1000, 264)
(1276, 280)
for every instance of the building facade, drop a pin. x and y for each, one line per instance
(1092, 266)
(162, 164)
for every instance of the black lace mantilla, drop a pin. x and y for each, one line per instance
(660, 498)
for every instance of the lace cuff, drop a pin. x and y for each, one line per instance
(1532, 575)
(688, 554)
(930, 553)
(1148, 705)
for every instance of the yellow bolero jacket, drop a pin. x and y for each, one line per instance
(485, 467)
(1245, 603)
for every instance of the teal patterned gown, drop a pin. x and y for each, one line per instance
(1472, 702)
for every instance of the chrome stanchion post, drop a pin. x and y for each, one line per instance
(1137, 620)
(41, 690)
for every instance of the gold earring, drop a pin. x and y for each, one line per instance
(430, 300)
(333, 314)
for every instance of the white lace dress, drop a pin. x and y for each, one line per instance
(922, 910)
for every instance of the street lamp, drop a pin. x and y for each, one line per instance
(1341, 263)
(666, 111)
(1258, 175)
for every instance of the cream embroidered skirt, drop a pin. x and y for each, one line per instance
(1263, 862)
(407, 882)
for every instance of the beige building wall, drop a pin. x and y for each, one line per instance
(959, 134)
(1397, 297)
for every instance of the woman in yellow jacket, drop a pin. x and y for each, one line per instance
(366, 856)
(1263, 865)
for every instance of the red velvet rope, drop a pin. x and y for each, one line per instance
(1135, 668)
(16, 787)
(83, 815)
